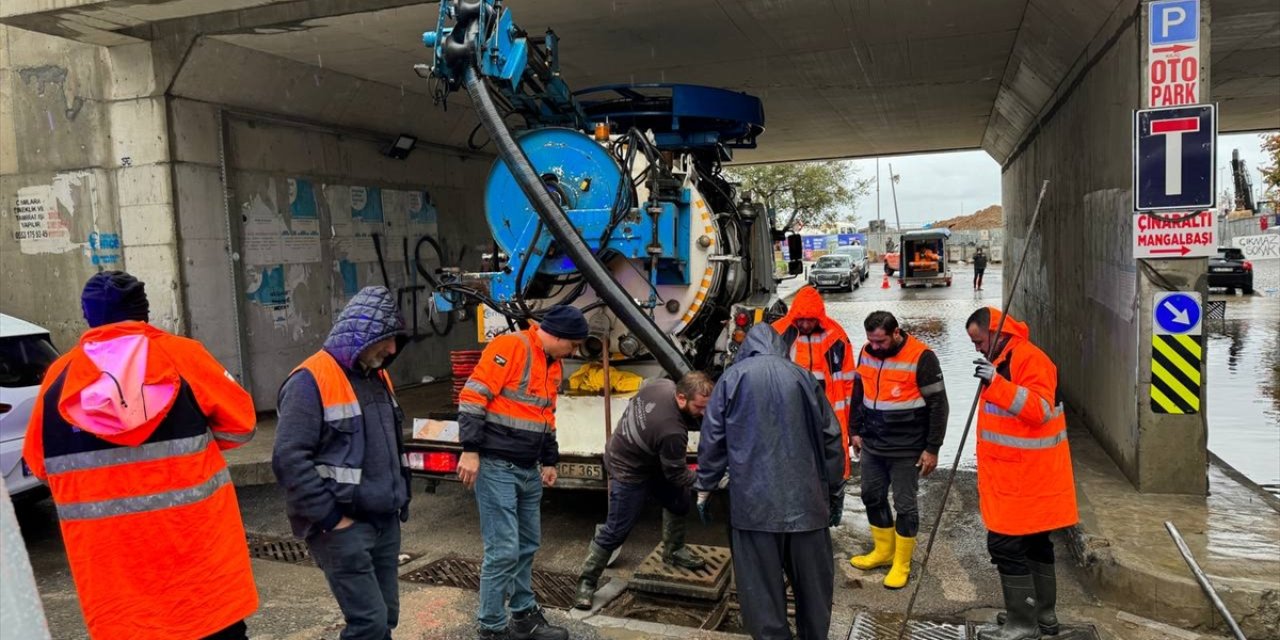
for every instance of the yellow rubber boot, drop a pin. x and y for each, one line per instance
(897, 576)
(881, 555)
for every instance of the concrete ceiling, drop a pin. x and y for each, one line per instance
(838, 78)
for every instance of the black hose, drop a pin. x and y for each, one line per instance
(567, 237)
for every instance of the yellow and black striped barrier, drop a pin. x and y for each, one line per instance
(1175, 373)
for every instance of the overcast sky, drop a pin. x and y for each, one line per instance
(937, 186)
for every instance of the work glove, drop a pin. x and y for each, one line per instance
(837, 510)
(985, 371)
(703, 514)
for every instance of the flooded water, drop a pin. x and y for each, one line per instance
(1244, 379)
(1243, 360)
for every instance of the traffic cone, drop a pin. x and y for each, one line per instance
(885, 283)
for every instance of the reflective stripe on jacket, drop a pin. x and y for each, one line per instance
(148, 514)
(1025, 481)
(827, 354)
(507, 407)
(341, 459)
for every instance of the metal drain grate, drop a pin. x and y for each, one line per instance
(279, 549)
(555, 590)
(884, 626)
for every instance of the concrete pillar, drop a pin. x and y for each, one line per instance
(1085, 297)
(1172, 450)
(142, 165)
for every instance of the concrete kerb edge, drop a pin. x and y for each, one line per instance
(1123, 577)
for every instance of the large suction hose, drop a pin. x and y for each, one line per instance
(567, 237)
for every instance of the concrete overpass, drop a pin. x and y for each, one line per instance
(161, 134)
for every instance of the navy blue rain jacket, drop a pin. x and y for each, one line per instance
(770, 426)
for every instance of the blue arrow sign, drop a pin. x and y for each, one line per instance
(1177, 313)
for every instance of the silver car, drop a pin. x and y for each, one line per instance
(25, 354)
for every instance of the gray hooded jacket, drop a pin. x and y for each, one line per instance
(770, 426)
(372, 442)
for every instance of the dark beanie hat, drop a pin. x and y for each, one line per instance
(566, 322)
(113, 296)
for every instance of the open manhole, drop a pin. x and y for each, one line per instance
(279, 549)
(555, 590)
(710, 615)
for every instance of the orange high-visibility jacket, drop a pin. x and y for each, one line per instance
(127, 430)
(508, 405)
(341, 466)
(827, 354)
(1025, 484)
(890, 385)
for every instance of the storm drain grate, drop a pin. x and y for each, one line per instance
(1215, 310)
(884, 626)
(555, 590)
(279, 549)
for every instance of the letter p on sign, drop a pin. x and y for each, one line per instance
(1174, 21)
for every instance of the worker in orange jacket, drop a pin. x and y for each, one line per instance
(128, 430)
(1025, 484)
(506, 417)
(819, 345)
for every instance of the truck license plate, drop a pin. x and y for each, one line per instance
(580, 470)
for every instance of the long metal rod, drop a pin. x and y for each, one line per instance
(567, 237)
(1203, 579)
(973, 409)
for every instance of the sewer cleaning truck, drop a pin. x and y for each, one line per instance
(611, 199)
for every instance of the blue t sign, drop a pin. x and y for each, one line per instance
(1174, 151)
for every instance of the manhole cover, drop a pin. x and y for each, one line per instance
(656, 576)
(278, 549)
(555, 590)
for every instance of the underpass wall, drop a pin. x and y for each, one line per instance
(1078, 291)
(269, 263)
(58, 220)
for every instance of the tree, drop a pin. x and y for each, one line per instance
(1271, 167)
(805, 193)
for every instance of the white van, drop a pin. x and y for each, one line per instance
(25, 353)
(859, 255)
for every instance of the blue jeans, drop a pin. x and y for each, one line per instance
(510, 500)
(361, 563)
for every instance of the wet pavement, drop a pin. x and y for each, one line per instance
(1244, 379)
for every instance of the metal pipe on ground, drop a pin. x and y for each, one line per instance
(567, 237)
(973, 410)
(1203, 579)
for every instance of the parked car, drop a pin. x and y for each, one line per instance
(1230, 270)
(858, 254)
(835, 271)
(25, 354)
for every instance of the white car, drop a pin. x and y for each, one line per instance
(25, 354)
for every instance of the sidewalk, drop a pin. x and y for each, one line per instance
(1131, 561)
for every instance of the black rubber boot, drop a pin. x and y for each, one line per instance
(532, 625)
(1045, 579)
(1020, 604)
(589, 577)
(674, 552)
